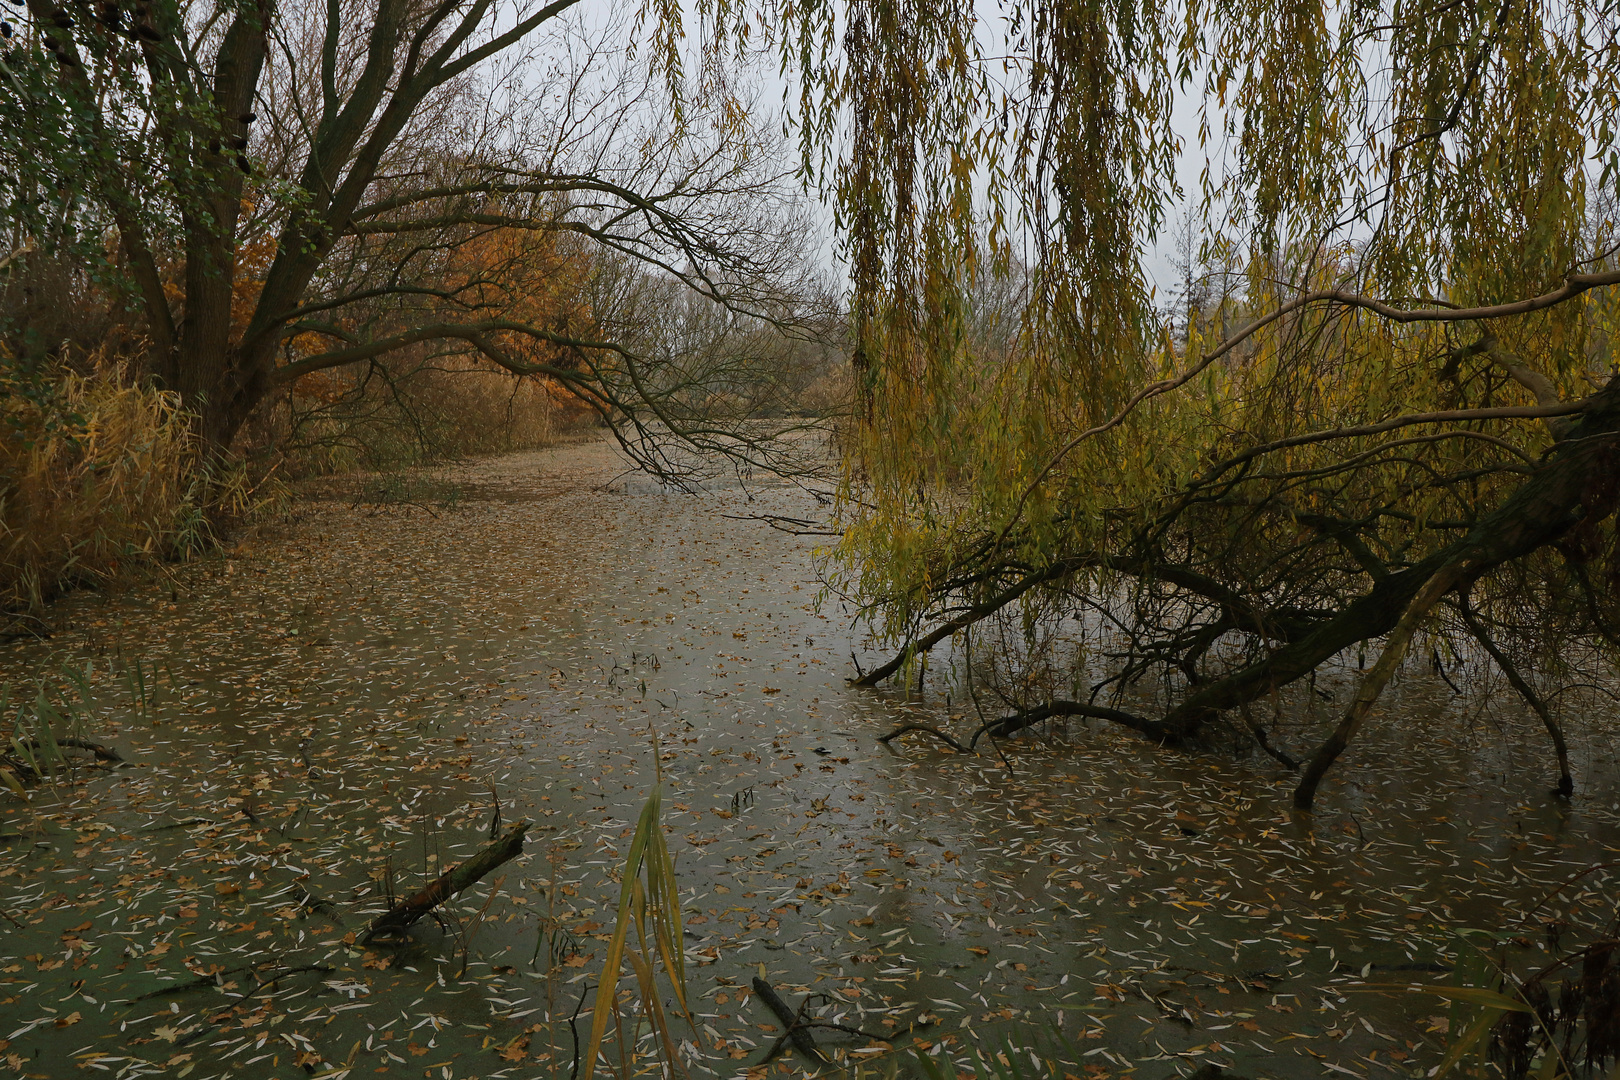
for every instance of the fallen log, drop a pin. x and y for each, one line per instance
(100, 752)
(448, 884)
(94, 749)
(803, 1041)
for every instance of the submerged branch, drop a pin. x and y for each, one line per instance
(1008, 725)
(934, 731)
(1566, 782)
(967, 618)
(803, 1041)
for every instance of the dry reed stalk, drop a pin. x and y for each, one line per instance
(96, 473)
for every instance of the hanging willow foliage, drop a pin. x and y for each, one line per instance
(1382, 411)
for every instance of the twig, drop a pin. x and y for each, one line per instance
(186, 824)
(1440, 670)
(282, 974)
(102, 753)
(934, 731)
(495, 818)
(198, 983)
(846, 1027)
(476, 925)
(1002, 754)
(573, 1073)
(774, 521)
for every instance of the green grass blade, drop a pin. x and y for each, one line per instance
(1465, 1044)
(607, 989)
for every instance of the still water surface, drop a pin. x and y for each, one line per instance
(346, 703)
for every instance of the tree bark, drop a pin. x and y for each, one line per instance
(797, 1033)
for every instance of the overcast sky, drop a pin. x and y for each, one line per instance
(1160, 260)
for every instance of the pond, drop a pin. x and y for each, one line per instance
(341, 707)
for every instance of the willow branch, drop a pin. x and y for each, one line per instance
(1449, 416)
(1574, 285)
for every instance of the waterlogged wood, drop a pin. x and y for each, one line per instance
(99, 751)
(451, 882)
(803, 1041)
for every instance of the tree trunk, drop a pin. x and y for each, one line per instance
(1544, 507)
(202, 366)
(239, 383)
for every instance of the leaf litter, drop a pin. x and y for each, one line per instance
(330, 716)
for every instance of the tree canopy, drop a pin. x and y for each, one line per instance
(263, 191)
(1381, 409)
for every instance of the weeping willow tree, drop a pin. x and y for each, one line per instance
(1391, 421)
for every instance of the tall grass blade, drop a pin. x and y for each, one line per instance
(656, 896)
(1467, 1041)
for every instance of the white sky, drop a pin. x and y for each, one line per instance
(1160, 260)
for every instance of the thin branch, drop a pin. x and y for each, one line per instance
(1574, 285)
(1448, 416)
(1007, 725)
(474, 333)
(934, 731)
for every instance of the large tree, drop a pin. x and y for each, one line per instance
(1389, 413)
(266, 189)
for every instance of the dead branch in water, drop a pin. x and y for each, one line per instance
(782, 523)
(448, 884)
(803, 1041)
(934, 731)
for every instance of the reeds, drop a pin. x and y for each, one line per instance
(36, 732)
(101, 473)
(94, 474)
(649, 905)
